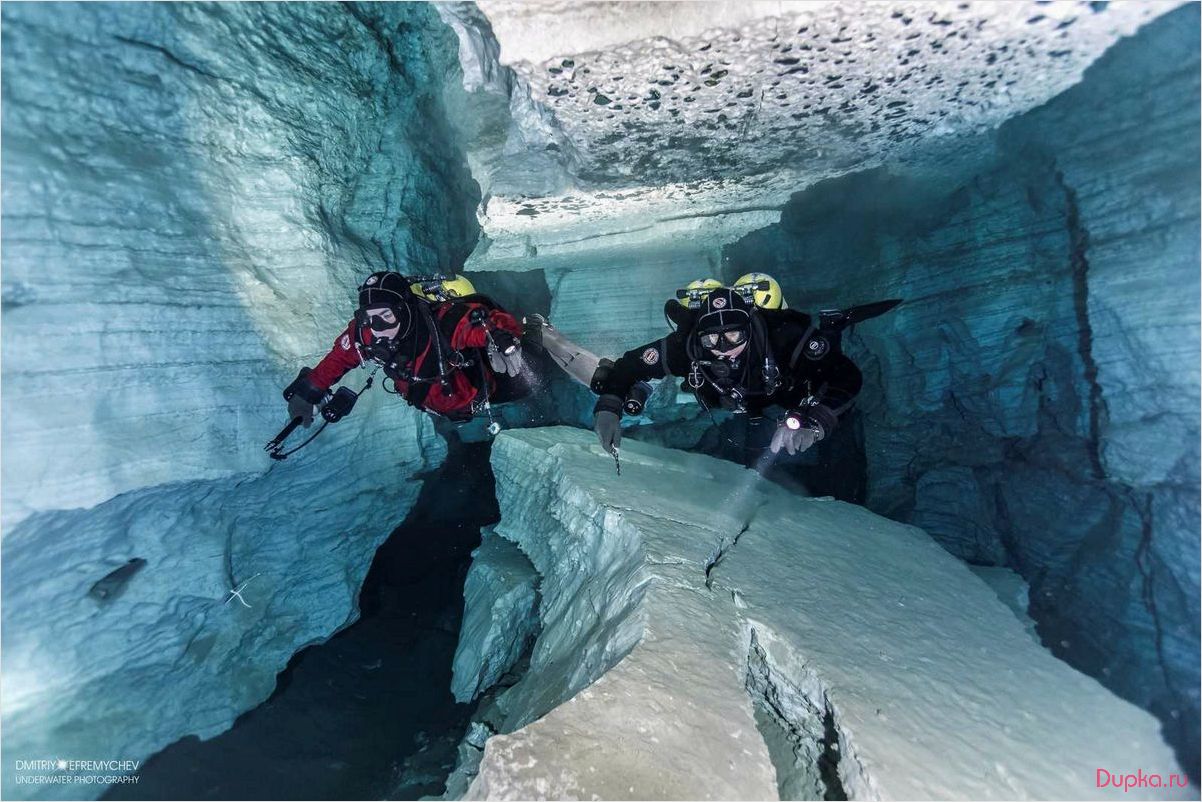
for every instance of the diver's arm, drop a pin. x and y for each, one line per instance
(838, 383)
(334, 365)
(309, 388)
(822, 391)
(653, 360)
(475, 322)
(829, 388)
(612, 384)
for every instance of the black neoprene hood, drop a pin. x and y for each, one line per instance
(723, 310)
(383, 289)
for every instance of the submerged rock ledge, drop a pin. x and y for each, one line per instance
(685, 594)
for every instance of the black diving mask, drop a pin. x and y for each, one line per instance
(723, 343)
(726, 340)
(377, 323)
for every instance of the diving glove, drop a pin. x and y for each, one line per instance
(302, 396)
(803, 427)
(505, 353)
(607, 422)
(794, 441)
(513, 360)
(300, 408)
(532, 329)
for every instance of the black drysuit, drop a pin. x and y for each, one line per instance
(780, 348)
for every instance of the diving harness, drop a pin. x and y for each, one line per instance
(338, 404)
(819, 341)
(447, 359)
(719, 374)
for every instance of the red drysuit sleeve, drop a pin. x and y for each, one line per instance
(334, 365)
(472, 335)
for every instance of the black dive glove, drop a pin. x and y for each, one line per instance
(302, 396)
(300, 408)
(607, 422)
(802, 428)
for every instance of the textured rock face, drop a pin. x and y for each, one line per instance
(1035, 401)
(741, 89)
(690, 124)
(500, 616)
(190, 193)
(686, 591)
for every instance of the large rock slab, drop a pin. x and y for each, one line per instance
(684, 593)
(500, 596)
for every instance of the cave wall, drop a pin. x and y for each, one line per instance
(191, 194)
(1034, 403)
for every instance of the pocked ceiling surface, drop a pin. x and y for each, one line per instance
(675, 109)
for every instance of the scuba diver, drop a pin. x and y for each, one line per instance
(737, 348)
(446, 349)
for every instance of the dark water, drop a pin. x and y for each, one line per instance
(368, 714)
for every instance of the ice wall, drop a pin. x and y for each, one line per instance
(679, 595)
(1035, 401)
(190, 193)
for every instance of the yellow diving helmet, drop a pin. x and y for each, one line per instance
(692, 295)
(443, 289)
(762, 290)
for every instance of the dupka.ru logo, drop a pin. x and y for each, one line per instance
(1140, 779)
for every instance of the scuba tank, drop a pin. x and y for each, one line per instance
(761, 290)
(691, 296)
(680, 309)
(441, 287)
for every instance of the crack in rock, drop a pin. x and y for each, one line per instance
(799, 728)
(1079, 262)
(720, 553)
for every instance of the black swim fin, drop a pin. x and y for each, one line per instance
(832, 320)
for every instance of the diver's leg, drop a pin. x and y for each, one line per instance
(577, 362)
(509, 388)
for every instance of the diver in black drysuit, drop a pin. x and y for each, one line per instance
(736, 356)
